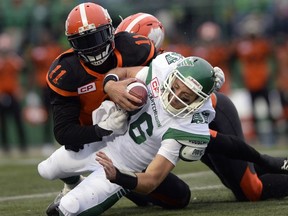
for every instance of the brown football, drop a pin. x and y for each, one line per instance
(139, 90)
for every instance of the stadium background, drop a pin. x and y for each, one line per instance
(26, 21)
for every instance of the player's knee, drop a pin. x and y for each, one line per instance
(44, 171)
(176, 193)
(184, 196)
(254, 192)
(251, 185)
(69, 205)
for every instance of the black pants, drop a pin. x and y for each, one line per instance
(230, 171)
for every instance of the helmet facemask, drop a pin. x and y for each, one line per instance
(94, 46)
(185, 75)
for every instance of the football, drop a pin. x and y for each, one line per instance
(139, 90)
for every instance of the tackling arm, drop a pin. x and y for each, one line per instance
(115, 85)
(155, 173)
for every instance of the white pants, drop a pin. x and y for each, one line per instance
(64, 163)
(94, 195)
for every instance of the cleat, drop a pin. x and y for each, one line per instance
(52, 209)
(278, 165)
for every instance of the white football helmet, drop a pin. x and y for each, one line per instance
(198, 75)
(144, 24)
(90, 32)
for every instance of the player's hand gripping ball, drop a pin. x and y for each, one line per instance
(139, 90)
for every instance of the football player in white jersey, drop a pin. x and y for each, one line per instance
(175, 119)
(247, 173)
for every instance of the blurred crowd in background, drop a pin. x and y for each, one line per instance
(248, 39)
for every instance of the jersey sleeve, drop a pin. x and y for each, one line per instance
(192, 134)
(62, 77)
(142, 74)
(197, 135)
(170, 150)
(67, 128)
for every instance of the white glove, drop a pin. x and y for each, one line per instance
(220, 78)
(116, 122)
(101, 113)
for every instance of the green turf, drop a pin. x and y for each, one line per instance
(23, 192)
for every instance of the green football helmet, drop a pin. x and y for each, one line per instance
(198, 75)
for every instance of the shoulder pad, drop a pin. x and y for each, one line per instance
(188, 153)
(64, 75)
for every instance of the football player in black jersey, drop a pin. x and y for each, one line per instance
(75, 78)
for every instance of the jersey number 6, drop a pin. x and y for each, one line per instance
(136, 131)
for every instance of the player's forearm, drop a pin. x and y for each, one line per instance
(125, 72)
(139, 182)
(68, 131)
(155, 173)
(147, 183)
(144, 182)
(76, 135)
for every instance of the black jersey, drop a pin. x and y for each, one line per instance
(76, 87)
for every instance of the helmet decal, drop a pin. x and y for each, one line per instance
(136, 21)
(83, 15)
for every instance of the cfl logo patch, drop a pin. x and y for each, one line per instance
(155, 87)
(87, 88)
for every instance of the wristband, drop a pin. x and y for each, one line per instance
(101, 132)
(125, 179)
(109, 77)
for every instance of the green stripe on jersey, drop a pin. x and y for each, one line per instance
(183, 135)
(149, 75)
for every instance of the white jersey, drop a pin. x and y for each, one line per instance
(153, 131)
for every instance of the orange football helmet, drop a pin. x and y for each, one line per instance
(144, 24)
(90, 32)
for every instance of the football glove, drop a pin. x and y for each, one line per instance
(115, 122)
(220, 78)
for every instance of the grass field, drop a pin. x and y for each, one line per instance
(23, 192)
